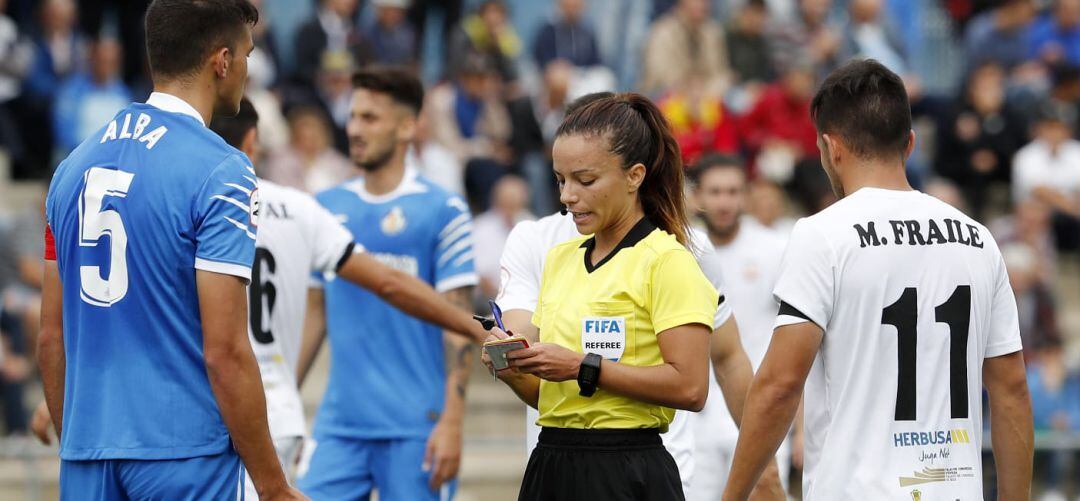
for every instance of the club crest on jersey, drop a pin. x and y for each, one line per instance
(394, 222)
(916, 495)
(253, 208)
(605, 336)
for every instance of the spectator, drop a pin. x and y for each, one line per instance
(768, 205)
(393, 39)
(1055, 405)
(1000, 35)
(683, 42)
(534, 120)
(509, 206)
(747, 45)
(57, 52)
(1034, 298)
(15, 56)
(1029, 223)
(1048, 170)
(434, 161)
(567, 38)
(309, 163)
(946, 191)
(333, 94)
(1055, 37)
(332, 30)
(263, 63)
(867, 36)
(777, 132)
(89, 99)
(487, 33)
(123, 20)
(468, 118)
(977, 138)
(699, 120)
(807, 40)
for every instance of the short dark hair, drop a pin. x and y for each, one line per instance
(865, 105)
(181, 33)
(233, 129)
(714, 161)
(400, 83)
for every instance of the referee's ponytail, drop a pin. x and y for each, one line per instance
(637, 132)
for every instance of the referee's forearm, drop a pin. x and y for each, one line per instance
(767, 416)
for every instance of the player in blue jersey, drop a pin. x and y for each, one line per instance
(148, 373)
(391, 417)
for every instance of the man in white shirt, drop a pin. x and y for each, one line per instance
(522, 266)
(748, 256)
(1048, 170)
(895, 312)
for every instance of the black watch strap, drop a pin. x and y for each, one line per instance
(589, 374)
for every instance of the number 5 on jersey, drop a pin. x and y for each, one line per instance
(94, 223)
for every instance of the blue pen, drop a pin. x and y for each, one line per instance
(497, 313)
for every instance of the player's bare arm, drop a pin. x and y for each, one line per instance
(733, 373)
(443, 454)
(771, 404)
(681, 382)
(314, 333)
(411, 295)
(235, 379)
(50, 348)
(1010, 424)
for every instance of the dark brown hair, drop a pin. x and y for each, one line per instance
(638, 133)
(866, 105)
(181, 33)
(399, 83)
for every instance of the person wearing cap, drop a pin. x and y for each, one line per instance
(392, 36)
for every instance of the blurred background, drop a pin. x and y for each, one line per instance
(994, 86)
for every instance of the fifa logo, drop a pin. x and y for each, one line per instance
(916, 495)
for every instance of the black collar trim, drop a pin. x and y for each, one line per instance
(636, 234)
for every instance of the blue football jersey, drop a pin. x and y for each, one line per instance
(135, 210)
(387, 375)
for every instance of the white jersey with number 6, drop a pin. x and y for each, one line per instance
(912, 295)
(297, 236)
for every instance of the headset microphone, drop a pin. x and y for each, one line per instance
(563, 211)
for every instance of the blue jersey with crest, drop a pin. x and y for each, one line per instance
(136, 210)
(387, 375)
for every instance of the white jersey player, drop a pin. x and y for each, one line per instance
(896, 310)
(522, 264)
(748, 255)
(298, 237)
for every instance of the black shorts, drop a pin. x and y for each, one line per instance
(600, 465)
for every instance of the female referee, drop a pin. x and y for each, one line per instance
(624, 315)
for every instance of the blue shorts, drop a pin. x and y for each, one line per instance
(218, 477)
(348, 468)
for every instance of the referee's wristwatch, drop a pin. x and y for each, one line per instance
(589, 374)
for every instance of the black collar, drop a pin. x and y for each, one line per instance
(640, 230)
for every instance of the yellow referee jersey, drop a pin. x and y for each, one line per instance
(648, 284)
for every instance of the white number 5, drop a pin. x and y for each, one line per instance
(95, 223)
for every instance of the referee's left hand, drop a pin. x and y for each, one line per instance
(547, 361)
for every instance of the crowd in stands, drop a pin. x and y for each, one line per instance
(998, 132)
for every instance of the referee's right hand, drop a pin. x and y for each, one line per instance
(496, 334)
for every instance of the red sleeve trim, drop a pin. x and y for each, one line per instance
(50, 244)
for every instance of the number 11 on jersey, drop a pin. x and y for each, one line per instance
(904, 315)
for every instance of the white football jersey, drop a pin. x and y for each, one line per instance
(912, 296)
(296, 237)
(750, 264)
(522, 265)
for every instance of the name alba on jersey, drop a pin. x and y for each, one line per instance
(142, 123)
